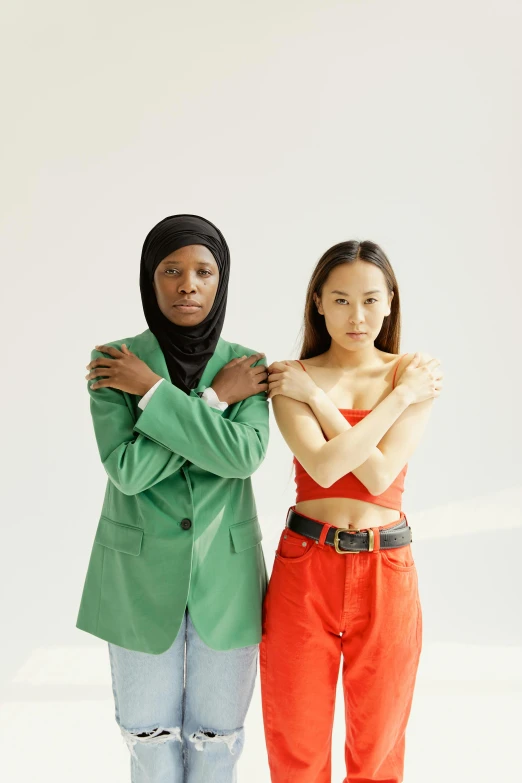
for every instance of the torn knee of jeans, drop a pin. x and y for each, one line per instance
(204, 736)
(157, 735)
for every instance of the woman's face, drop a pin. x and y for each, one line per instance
(354, 302)
(185, 283)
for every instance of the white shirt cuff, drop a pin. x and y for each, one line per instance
(210, 397)
(146, 397)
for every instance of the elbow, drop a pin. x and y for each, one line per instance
(247, 472)
(323, 475)
(242, 472)
(326, 469)
(378, 484)
(126, 487)
(322, 480)
(249, 465)
(241, 456)
(326, 475)
(131, 489)
(124, 483)
(252, 459)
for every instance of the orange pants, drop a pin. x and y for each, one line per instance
(321, 604)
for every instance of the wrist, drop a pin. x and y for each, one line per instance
(220, 392)
(149, 383)
(211, 397)
(316, 397)
(404, 395)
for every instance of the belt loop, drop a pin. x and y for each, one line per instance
(376, 538)
(324, 533)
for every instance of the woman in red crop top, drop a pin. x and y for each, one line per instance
(344, 583)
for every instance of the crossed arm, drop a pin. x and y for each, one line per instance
(376, 450)
(175, 428)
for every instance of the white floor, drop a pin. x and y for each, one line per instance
(56, 720)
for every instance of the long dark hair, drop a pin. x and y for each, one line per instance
(316, 339)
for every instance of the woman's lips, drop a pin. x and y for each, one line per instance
(187, 308)
(356, 335)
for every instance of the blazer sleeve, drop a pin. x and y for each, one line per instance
(133, 462)
(231, 447)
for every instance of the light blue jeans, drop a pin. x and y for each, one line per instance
(182, 712)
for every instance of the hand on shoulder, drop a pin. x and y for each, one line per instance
(420, 373)
(289, 379)
(241, 378)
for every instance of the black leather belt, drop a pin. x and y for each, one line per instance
(346, 541)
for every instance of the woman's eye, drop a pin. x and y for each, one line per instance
(203, 272)
(345, 301)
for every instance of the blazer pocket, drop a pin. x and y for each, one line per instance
(122, 538)
(246, 534)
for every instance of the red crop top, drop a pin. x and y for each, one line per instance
(349, 485)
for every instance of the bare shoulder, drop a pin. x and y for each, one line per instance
(404, 359)
(293, 362)
(314, 361)
(297, 363)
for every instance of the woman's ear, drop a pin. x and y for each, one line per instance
(389, 302)
(318, 304)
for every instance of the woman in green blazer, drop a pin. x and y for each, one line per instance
(176, 577)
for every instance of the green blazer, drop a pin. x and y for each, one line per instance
(178, 525)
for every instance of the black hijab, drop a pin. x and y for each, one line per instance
(187, 349)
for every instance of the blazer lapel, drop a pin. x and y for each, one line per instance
(146, 347)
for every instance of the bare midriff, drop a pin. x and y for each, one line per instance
(348, 512)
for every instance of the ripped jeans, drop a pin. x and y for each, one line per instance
(181, 713)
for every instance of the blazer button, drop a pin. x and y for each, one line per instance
(186, 524)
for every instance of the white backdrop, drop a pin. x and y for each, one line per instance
(292, 126)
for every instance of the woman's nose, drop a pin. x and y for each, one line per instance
(356, 316)
(187, 284)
